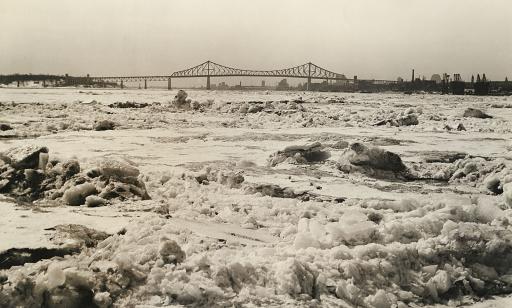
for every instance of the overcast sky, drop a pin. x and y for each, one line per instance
(379, 39)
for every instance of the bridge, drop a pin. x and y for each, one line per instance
(210, 69)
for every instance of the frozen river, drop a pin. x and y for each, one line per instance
(343, 230)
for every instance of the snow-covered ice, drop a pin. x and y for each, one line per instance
(292, 199)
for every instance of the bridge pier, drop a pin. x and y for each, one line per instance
(169, 84)
(208, 83)
(308, 87)
(122, 85)
(145, 84)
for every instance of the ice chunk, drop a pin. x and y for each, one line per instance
(43, 160)
(70, 168)
(180, 100)
(353, 227)
(104, 125)
(486, 210)
(303, 225)
(94, 201)
(304, 240)
(507, 193)
(492, 183)
(76, 195)
(102, 299)
(300, 154)
(170, 251)
(361, 155)
(441, 281)
(381, 299)
(118, 169)
(349, 291)
(316, 229)
(294, 277)
(56, 276)
(23, 157)
(475, 113)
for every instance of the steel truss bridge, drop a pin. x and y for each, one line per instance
(210, 69)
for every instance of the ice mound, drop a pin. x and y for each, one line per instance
(5, 126)
(475, 113)
(180, 100)
(128, 104)
(340, 145)
(490, 175)
(371, 160)
(298, 154)
(460, 127)
(120, 263)
(406, 120)
(104, 125)
(277, 191)
(77, 236)
(252, 107)
(295, 277)
(28, 173)
(272, 107)
(229, 178)
(353, 228)
(407, 117)
(487, 174)
(430, 171)
(442, 156)
(397, 206)
(113, 168)
(442, 254)
(20, 172)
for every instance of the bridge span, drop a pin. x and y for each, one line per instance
(210, 69)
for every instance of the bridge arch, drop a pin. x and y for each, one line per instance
(210, 69)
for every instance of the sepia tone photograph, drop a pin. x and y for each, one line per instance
(266, 153)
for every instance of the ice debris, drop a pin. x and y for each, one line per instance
(271, 107)
(26, 172)
(406, 117)
(491, 175)
(76, 236)
(128, 104)
(421, 254)
(442, 156)
(403, 120)
(228, 178)
(300, 154)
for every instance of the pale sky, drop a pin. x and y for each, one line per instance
(380, 39)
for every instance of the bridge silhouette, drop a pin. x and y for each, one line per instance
(210, 69)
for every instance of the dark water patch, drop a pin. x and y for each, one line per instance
(19, 256)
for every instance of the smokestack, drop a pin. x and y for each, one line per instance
(412, 80)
